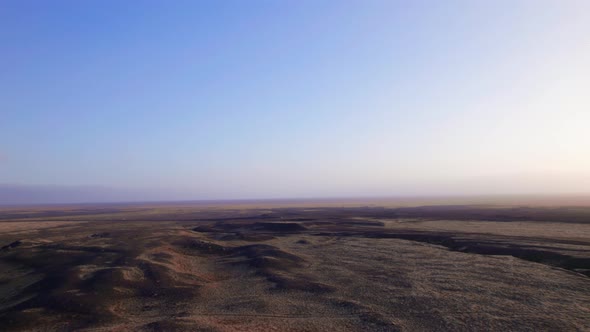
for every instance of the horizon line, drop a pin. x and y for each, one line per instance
(330, 199)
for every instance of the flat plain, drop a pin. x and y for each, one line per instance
(295, 267)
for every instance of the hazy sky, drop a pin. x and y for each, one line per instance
(244, 99)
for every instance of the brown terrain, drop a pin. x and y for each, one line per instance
(249, 267)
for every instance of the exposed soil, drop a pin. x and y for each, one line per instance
(294, 269)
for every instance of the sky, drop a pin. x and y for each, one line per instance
(135, 100)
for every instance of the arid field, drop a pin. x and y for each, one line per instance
(294, 267)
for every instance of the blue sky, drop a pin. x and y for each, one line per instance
(255, 99)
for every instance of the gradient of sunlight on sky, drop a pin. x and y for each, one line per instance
(312, 98)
